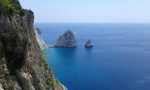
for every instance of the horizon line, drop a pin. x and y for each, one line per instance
(101, 22)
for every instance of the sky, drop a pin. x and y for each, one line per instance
(89, 11)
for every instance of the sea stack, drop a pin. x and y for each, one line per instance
(88, 44)
(66, 40)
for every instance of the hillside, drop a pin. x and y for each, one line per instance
(22, 63)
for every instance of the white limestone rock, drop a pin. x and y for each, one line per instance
(1, 88)
(40, 41)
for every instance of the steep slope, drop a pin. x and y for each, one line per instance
(40, 40)
(22, 63)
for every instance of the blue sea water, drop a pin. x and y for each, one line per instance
(119, 60)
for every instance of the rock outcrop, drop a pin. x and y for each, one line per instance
(66, 40)
(22, 63)
(88, 44)
(38, 30)
(1, 88)
(40, 40)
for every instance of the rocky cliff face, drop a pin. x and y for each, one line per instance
(22, 63)
(38, 30)
(66, 40)
(40, 40)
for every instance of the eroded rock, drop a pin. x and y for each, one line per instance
(88, 44)
(66, 40)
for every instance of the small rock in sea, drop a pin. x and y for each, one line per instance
(66, 40)
(88, 44)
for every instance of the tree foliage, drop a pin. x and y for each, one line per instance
(15, 46)
(10, 7)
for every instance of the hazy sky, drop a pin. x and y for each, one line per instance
(103, 11)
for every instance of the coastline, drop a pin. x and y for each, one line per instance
(40, 40)
(43, 46)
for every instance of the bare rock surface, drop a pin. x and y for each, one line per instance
(66, 40)
(40, 40)
(88, 44)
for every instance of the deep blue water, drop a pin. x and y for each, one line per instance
(119, 60)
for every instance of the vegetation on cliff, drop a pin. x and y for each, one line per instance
(22, 65)
(14, 47)
(11, 7)
(12, 54)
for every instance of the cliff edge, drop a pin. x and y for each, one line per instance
(40, 40)
(22, 63)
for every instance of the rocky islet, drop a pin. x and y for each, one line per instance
(88, 44)
(66, 40)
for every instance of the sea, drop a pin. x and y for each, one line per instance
(119, 60)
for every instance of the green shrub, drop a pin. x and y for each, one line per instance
(50, 81)
(15, 46)
(11, 11)
(44, 63)
(58, 82)
(6, 7)
(22, 12)
(10, 7)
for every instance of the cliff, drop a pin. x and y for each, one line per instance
(66, 40)
(22, 63)
(38, 30)
(40, 40)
